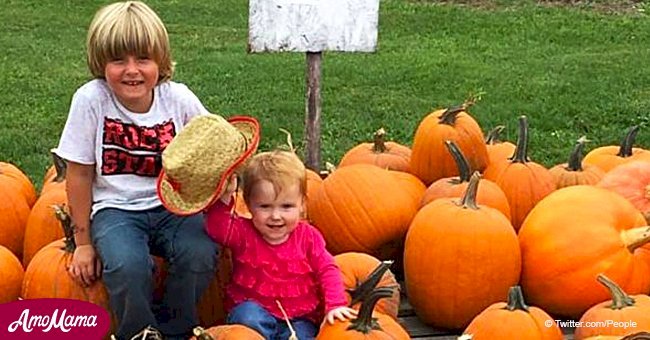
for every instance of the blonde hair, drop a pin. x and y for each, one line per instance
(281, 168)
(128, 27)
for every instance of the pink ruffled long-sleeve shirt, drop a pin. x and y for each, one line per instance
(300, 273)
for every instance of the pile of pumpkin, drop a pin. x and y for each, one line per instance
(477, 230)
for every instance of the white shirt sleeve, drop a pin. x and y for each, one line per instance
(77, 143)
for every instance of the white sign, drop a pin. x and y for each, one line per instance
(313, 25)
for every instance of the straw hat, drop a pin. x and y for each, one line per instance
(199, 160)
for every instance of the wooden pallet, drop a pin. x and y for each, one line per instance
(418, 330)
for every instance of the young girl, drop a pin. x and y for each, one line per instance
(278, 259)
(118, 125)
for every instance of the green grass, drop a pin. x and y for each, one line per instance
(571, 70)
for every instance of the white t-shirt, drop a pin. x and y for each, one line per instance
(124, 146)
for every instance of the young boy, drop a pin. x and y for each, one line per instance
(118, 125)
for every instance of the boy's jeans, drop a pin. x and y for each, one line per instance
(124, 241)
(256, 317)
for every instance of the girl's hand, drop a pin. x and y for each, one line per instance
(341, 313)
(231, 187)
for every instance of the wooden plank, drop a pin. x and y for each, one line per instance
(313, 111)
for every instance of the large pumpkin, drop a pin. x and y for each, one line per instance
(11, 276)
(607, 317)
(632, 181)
(43, 227)
(524, 182)
(513, 320)
(14, 213)
(47, 274)
(489, 193)
(386, 155)
(368, 325)
(498, 149)
(608, 157)
(430, 159)
(361, 274)
(362, 207)
(573, 235)
(459, 259)
(574, 172)
(13, 173)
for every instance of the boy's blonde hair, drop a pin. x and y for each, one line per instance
(128, 27)
(281, 168)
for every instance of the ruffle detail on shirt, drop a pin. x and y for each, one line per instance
(273, 286)
(294, 307)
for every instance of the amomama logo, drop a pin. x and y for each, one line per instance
(53, 319)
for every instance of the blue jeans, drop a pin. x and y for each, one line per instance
(256, 317)
(124, 241)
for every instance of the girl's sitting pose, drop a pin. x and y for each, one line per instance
(278, 259)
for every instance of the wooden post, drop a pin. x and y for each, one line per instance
(312, 111)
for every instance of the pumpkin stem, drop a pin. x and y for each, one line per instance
(60, 166)
(449, 115)
(289, 140)
(464, 171)
(521, 152)
(365, 323)
(636, 237)
(469, 199)
(68, 228)
(516, 299)
(379, 138)
(575, 159)
(200, 333)
(628, 142)
(620, 299)
(494, 134)
(361, 291)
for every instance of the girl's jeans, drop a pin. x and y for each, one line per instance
(256, 317)
(124, 241)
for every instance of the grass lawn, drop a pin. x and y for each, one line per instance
(573, 70)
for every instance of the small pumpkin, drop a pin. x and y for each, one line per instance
(361, 274)
(386, 155)
(622, 308)
(497, 149)
(43, 227)
(13, 173)
(574, 172)
(632, 181)
(226, 332)
(368, 325)
(489, 193)
(524, 182)
(11, 276)
(513, 320)
(608, 157)
(589, 226)
(14, 213)
(430, 160)
(447, 277)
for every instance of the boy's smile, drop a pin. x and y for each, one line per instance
(132, 80)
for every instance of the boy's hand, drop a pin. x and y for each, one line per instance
(341, 313)
(85, 267)
(231, 186)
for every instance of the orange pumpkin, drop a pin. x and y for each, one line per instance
(361, 274)
(497, 149)
(574, 172)
(11, 276)
(489, 193)
(43, 227)
(14, 213)
(47, 274)
(608, 157)
(448, 279)
(632, 181)
(386, 155)
(361, 207)
(513, 320)
(54, 178)
(606, 317)
(368, 325)
(12, 172)
(524, 182)
(226, 332)
(570, 237)
(430, 160)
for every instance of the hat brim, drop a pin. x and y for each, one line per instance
(249, 127)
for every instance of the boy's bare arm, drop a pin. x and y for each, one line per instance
(79, 179)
